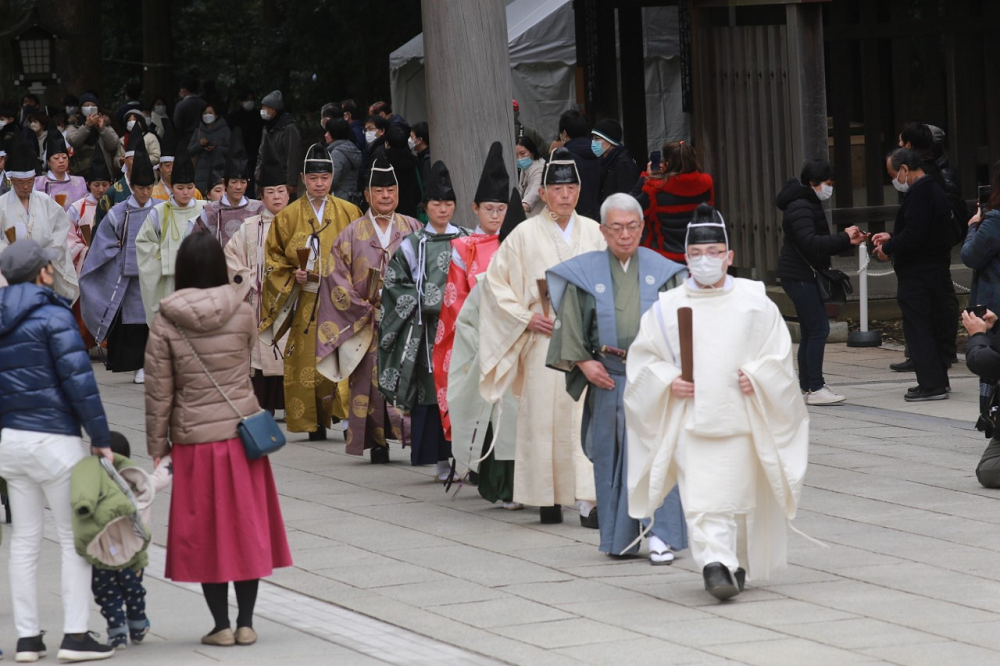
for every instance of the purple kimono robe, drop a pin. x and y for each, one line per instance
(348, 330)
(223, 220)
(110, 277)
(63, 192)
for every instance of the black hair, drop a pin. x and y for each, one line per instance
(575, 124)
(331, 110)
(339, 129)
(529, 145)
(918, 135)
(815, 171)
(119, 444)
(379, 122)
(190, 83)
(133, 90)
(901, 157)
(201, 263)
(351, 107)
(422, 132)
(397, 136)
(33, 97)
(382, 107)
(71, 100)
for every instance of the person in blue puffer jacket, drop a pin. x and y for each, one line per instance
(47, 391)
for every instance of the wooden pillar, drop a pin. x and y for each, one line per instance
(77, 27)
(806, 81)
(468, 90)
(633, 75)
(157, 50)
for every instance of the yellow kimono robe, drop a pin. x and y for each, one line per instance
(310, 398)
(550, 467)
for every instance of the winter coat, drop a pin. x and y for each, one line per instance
(102, 513)
(405, 163)
(209, 165)
(589, 166)
(46, 379)
(283, 136)
(87, 142)
(619, 172)
(921, 235)
(346, 165)
(667, 204)
(187, 116)
(182, 404)
(981, 252)
(530, 181)
(806, 231)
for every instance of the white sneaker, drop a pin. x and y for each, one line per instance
(139, 377)
(824, 396)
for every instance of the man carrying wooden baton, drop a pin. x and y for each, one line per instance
(735, 439)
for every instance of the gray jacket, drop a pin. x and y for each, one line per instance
(209, 165)
(346, 162)
(283, 136)
(85, 140)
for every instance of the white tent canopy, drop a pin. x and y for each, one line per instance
(542, 40)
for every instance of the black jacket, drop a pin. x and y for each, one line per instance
(920, 238)
(619, 172)
(589, 166)
(405, 164)
(982, 355)
(806, 233)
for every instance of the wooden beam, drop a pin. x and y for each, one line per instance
(633, 77)
(807, 81)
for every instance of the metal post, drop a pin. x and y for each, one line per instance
(863, 337)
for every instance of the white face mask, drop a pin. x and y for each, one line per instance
(3, 123)
(247, 105)
(160, 109)
(411, 143)
(370, 136)
(264, 116)
(900, 186)
(825, 192)
(129, 125)
(707, 271)
(70, 110)
(208, 118)
(35, 126)
(89, 110)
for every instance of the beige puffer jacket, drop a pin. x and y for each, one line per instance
(182, 404)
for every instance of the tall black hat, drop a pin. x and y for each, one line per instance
(134, 140)
(561, 169)
(317, 160)
(494, 183)
(236, 157)
(272, 172)
(515, 215)
(168, 142)
(706, 226)
(142, 167)
(183, 173)
(54, 141)
(99, 167)
(21, 159)
(439, 188)
(382, 174)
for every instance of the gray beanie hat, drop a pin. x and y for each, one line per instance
(23, 258)
(274, 100)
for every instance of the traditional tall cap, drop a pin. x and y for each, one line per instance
(142, 168)
(168, 142)
(272, 172)
(183, 173)
(21, 160)
(99, 167)
(55, 143)
(515, 215)
(439, 188)
(382, 174)
(706, 226)
(236, 157)
(134, 140)
(561, 169)
(610, 130)
(494, 183)
(317, 160)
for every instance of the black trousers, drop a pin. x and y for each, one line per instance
(925, 297)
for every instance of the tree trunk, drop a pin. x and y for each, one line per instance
(77, 27)
(157, 51)
(468, 90)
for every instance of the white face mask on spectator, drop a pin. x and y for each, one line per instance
(129, 125)
(411, 143)
(370, 136)
(825, 191)
(264, 116)
(70, 110)
(208, 118)
(247, 105)
(160, 109)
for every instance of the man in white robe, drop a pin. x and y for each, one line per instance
(736, 439)
(550, 466)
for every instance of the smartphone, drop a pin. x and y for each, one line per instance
(654, 160)
(978, 310)
(984, 196)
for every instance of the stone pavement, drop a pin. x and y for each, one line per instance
(390, 569)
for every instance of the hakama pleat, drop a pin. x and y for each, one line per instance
(126, 345)
(270, 391)
(429, 444)
(496, 477)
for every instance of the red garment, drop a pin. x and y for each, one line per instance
(476, 252)
(225, 519)
(671, 202)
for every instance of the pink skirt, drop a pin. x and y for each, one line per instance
(225, 520)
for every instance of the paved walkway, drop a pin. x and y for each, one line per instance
(390, 569)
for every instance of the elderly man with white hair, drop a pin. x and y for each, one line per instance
(599, 299)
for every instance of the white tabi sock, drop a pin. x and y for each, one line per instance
(443, 467)
(584, 507)
(656, 544)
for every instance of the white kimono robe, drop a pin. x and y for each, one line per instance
(46, 222)
(156, 249)
(550, 467)
(733, 454)
(245, 262)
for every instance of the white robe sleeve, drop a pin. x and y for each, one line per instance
(147, 254)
